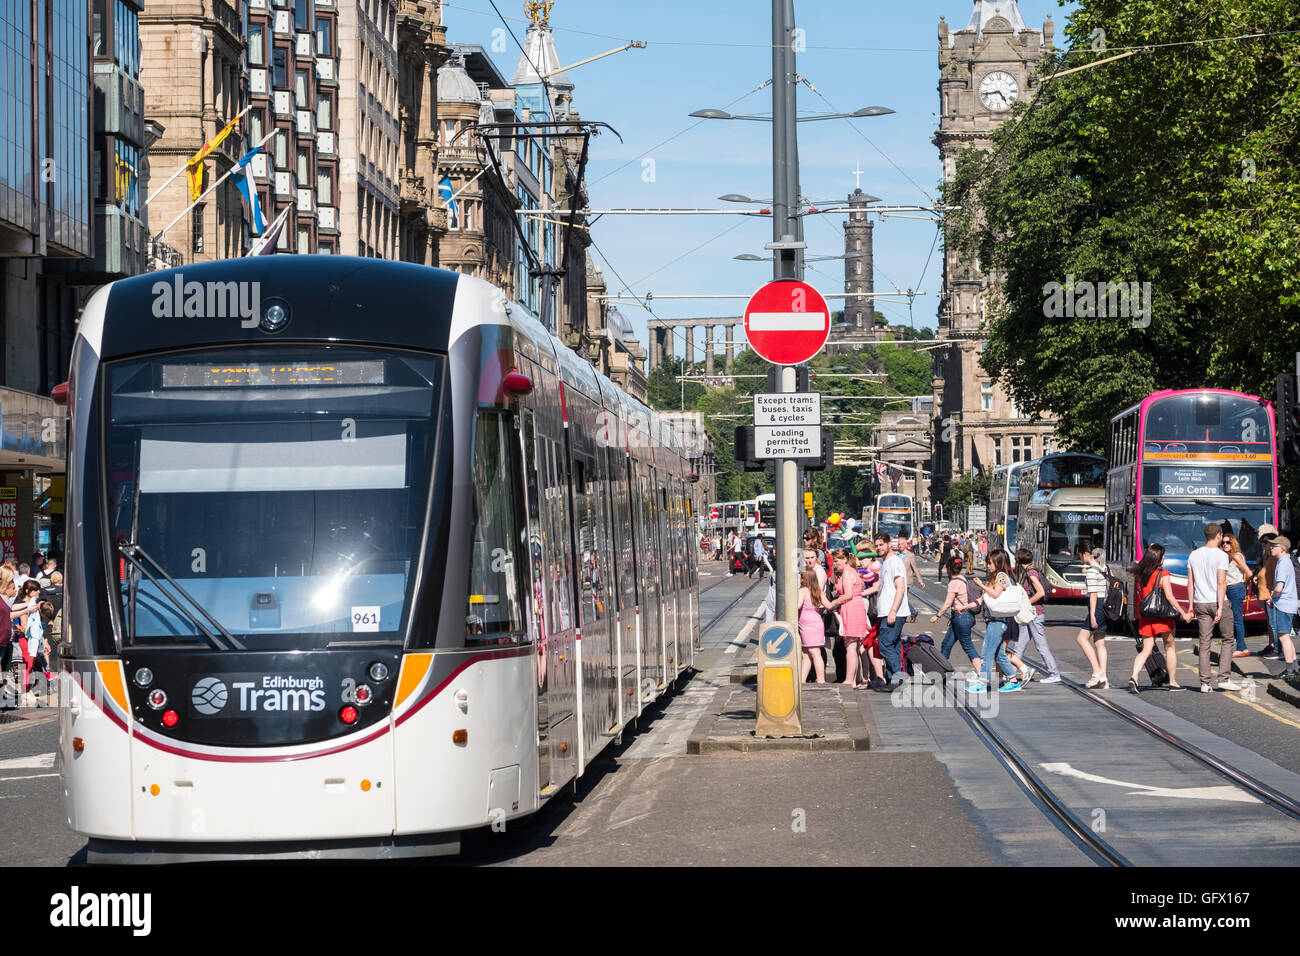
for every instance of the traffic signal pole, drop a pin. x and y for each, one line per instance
(787, 235)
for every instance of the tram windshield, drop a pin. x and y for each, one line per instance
(284, 492)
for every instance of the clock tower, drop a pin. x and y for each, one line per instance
(985, 69)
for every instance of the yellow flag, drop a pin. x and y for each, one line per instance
(195, 165)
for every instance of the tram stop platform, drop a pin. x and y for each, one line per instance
(831, 716)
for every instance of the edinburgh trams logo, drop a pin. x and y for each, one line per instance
(257, 693)
(209, 696)
(179, 299)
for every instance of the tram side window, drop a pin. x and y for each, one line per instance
(495, 611)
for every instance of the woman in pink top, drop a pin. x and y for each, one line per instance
(812, 634)
(853, 613)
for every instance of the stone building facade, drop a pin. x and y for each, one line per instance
(984, 69)
(192, 67)
(421, 51)
(902, 442)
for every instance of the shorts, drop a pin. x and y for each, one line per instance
(1098, 626)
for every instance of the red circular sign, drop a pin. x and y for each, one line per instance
(787, 322)
(713, 514)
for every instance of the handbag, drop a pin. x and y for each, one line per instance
(1006, 604)
(830, 621)
(1155, 606)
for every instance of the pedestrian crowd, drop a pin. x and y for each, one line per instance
(853, 603)
(31, 622)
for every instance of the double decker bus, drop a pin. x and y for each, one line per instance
(764, 511)
(1062, 502)
(1180, 460)
(1004, 506)
(894, 515)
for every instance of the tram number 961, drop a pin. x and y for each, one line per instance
(365, 618)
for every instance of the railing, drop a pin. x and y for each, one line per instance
(226, 15)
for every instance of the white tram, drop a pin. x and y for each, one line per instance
(387, 565)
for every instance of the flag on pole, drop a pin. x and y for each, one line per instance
(882, 471)
(266, 244)
(249, 190)
(976, 467)
(447, 193)
(195, 165)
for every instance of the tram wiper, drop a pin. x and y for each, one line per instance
(137, 556)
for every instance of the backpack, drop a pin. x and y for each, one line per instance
(1113, 605)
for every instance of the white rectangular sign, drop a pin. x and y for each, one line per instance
(788, 408)
(787, 321)
(787, 441)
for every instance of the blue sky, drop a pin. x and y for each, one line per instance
(859, 53)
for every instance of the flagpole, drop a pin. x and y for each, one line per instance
(228, 173)
(254, 249)
(186, 165)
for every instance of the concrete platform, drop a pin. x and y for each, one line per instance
(831, 717)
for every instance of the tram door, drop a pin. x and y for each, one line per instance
(539, 627)
(647, 552)
(672, 591)
(561, 689)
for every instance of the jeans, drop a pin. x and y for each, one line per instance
(1036, 630)
(890, 639)
(1280, 623)
(1236, 596)
(994, 631)
(959, 626)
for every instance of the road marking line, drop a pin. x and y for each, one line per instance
(743, 637)
(35, 762)
(35, 776)
(1230, 794)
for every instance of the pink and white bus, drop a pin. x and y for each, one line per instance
(1180, 460)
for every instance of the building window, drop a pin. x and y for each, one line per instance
(300, 89)
(256, 127)
(279, 68)
(1049, 445)
(324, 36)
(302, 15)
(986, 396)
(256, 44)
(997, 451)
(324, 111)
(281, 149)
(324, 186)
(196, 229)
(304, 167)
(304, 240)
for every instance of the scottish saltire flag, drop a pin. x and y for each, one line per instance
(248, 190)
(447, 193)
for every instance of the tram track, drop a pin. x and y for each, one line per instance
(1047, 801)
(717, 618)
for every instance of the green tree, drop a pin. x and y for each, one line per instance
(961, 490)
(1175, 167)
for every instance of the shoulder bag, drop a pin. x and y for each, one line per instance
(1155, 606)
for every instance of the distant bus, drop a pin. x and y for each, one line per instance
(1004, 503)
(894, 515)
(765, 511)
(1180, 460)
(1052, 523)
(732, 516)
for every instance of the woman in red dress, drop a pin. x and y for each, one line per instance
(1147, 576)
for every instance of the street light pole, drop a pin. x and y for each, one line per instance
(787, 233)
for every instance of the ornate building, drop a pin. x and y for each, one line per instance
(192, 72)
(902, 442)
(859, 265)
(984, 70)
(421, 51)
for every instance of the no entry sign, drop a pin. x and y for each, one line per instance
(787, 322)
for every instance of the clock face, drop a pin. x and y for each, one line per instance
(999, 91)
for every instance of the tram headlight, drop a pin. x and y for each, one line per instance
(363, 694)
(378, 672)
(275, 316)
(157, 698)
(143, 677)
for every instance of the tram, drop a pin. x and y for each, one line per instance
(1180, 460)
(370, 564)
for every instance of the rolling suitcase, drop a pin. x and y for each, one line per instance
(920, 651)
(1156, 668)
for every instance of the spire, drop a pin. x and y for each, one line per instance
(539, 57)
(986, 10)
